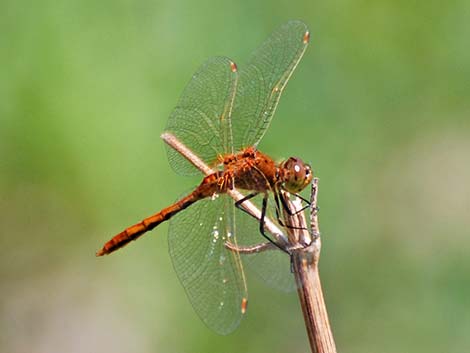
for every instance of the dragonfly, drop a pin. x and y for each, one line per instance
(221, 116)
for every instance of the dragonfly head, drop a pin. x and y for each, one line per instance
(296, 175)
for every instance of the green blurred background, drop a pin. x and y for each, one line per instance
(380, 105)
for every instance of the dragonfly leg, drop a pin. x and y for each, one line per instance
(250, 249)
(288, 210)
(238, 205)
(278, 210)
(261, 223)
(308, 203)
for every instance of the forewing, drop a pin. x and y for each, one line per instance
(211, 274)
(262, 81)
(201, 120)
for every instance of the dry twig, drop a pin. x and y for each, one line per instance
(305, 266)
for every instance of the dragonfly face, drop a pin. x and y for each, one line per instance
(296, 175)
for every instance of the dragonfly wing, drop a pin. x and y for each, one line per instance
(262, 81)
(274, 269)
(201, 120)
(211, 274)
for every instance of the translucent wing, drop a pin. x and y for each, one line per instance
(262, 81)
(211, 274)
(274, 268)
(201, 120)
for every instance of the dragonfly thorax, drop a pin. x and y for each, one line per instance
(295, 174)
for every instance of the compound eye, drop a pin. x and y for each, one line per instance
(297, 175)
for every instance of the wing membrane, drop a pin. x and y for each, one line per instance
(221, 111)
(262, 81)
(212, 275)
(201, 120)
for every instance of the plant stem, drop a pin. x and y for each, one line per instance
(305, 267)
